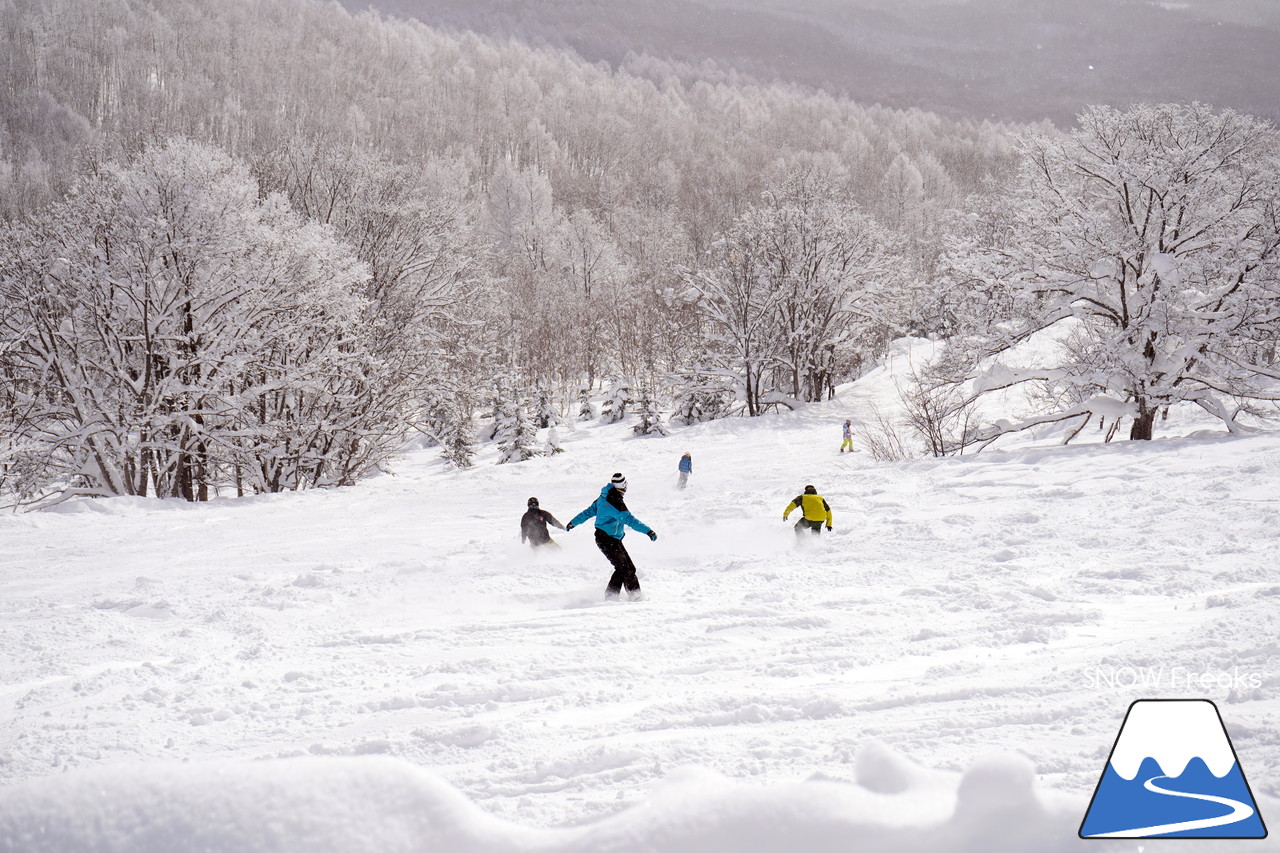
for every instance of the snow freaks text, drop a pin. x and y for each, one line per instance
(1170, 677)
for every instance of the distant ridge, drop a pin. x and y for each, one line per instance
(1020, 60)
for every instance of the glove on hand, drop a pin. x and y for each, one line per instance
(828, 527)
(569, 527)
(653, 537)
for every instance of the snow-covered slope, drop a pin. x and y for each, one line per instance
(396, 643)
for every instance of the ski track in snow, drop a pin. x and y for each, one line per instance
(959, 607)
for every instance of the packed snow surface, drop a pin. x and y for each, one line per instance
(947, 670)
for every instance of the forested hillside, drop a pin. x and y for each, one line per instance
(259, 245)
(1021, 60)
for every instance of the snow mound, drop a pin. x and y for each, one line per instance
(366, 804)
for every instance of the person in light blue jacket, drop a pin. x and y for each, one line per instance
(685, 468)
(612, 520)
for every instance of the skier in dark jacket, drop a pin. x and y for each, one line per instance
(685, 468)
(612, 518)
(533, 525)
(814, 511)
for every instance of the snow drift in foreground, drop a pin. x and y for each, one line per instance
(335, 805)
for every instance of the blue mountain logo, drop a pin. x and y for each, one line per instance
(1173, 774)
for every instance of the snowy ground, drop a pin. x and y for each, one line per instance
(1004, 602)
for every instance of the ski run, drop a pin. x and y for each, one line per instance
(385, 667)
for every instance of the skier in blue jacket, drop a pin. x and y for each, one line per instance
(612, 519)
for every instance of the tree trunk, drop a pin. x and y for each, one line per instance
(1143, 424)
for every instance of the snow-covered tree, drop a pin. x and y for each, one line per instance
(168, 331)
(902, 195)
(701, 395)
(649, 418)
(410, 226)
(552, 446)
(795, 293)
(512, 198)
(738, 304)
(520, 214)
(617, 404)
(586, 412)
(452, 425)
(514, 430)
(834, 268)
(546, 414)
(1147, 246)
(494, 404)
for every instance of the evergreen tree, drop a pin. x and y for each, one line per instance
(456, 434)
(490, 431)
(650, 422)
(585, 410)
(514, 429)
(615, 406)
(545, 407)
(699, 398)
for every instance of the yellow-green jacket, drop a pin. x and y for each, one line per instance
(814, 506)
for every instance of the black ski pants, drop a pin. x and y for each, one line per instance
(624, 571)
(814, 527)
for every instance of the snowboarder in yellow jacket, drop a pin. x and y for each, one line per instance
(814, 511)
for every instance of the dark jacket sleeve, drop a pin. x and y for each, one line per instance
(551, 519)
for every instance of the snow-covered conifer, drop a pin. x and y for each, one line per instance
(649, 421)
(453, 427)
(546, 413)
(586, 412)
(494, 411)
(701, 396)
(514, 429)
(553, 442)
(616, 405)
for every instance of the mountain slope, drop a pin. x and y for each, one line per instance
(1011, 600)
(1003, 59)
